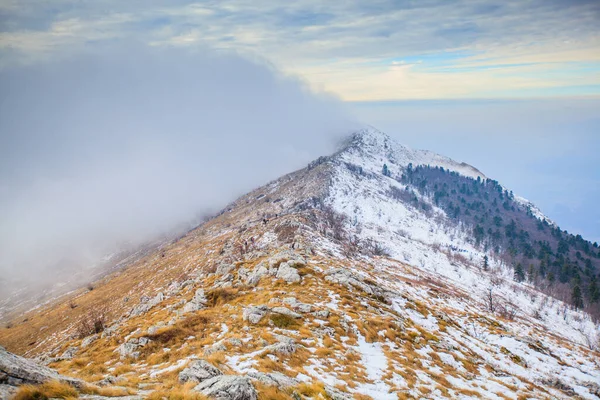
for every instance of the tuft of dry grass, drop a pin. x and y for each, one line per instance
(51, 389)
(284, 321)
(312, 390)
(177, 393)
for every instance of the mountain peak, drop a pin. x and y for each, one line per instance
(371, 148)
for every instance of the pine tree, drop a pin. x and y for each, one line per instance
(531, 273)
(576, 297)
(385, 171)
(519, 273)
(593, 290)
(486, 263)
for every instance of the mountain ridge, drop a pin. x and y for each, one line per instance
(332, 281)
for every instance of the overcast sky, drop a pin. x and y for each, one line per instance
(141, 106)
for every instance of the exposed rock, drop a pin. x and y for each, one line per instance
(274, 379)
(108, 380)
(235, 342)
(228, 387)
(293, 259)
(89, 340)
(257, 274)
(198, 302)
(16, 370)
(7, 391)
(224, 269)
(290, 301)
(254, 314)
(324, 331)
(303, 308)
(96, 397)
(131, 347)
(69, 353)
(286, 311)
(349, 279)
(146, 304)
(198, 371)
(288, 273)
(335, 394)
(214, 348)
(285, 346)
(176, 287)
(323, 314)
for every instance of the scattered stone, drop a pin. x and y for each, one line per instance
(288, 273)
(89, 340)
(214, 348)
(228, 387)
(336, 394)
(257, 274)
(324, 331)
(131, 347)
(108, 380)
(349, 279)
(293, 259)
(69, 353)
(146, 305)
(276, 379)
(254, 314)
(235, 342)
(286, 311)
(198, 302)
(286, 346)
(198, 371)
(224, 269)
(290, 301)
(323, 314)
(303, 308)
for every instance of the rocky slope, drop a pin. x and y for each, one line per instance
(320, 285)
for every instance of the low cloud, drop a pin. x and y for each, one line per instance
(124, 144)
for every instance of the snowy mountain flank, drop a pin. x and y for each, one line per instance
(378, 272)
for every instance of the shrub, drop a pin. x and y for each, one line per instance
(94, 321)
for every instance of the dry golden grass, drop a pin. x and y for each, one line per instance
(271, 393)
(51, 389)
(312, 390)
(178, 393)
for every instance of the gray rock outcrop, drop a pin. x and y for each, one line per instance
(228, 387)
(16, 371)
(198, 371)
(198, 302)
(254, 314)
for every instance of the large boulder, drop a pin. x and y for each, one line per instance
(288, 273)
(285, 346)
(293, 259)
(16, 371)
(131, 347)
(254, 314)
(259, 271)
(228, 387)
(198, 302)
(273, 379)
(198, 371)
(286, 311)
(350, 279)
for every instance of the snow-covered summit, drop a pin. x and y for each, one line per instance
(371, 147)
